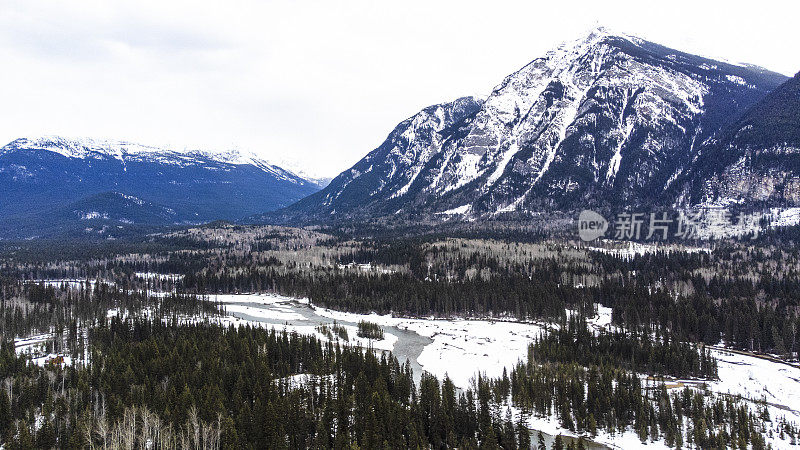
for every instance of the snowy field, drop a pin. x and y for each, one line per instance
(36, 348)
(629, 250)
(458, 348)
(71, 283)
(785, 217)
(751, 377)
(174, 277)
(290, 314)
(257, 299)
(274, 313)
(461, 348)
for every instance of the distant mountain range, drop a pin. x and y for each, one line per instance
(52, 185)
(607, 120)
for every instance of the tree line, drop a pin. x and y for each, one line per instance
(164, 384)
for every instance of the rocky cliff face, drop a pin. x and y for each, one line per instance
(755, 160)
(607, 119)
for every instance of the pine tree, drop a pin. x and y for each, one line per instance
(5, 412)
(509, 438)
(541, 445)
(558, 443)
(592, 425)
(523, 435)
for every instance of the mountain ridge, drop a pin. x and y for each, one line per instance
(96, 148)
(604, 119)
(40, 175)
(757, 158)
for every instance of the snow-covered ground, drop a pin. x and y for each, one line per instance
(32, 343)
(785, 217)
(304, 379)
(36, 348)
(630, 249)
(460, 348)
(71, 283)
(756, 378)
(715, 221)
(603, 318)
(159, 276)
(290, 314)
(368, 267)
(274, 313)
(42, 360)
(626, 440)
(258, 299)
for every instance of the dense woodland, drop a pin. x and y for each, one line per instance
(148, 373)
(588, 399)
(745, 294)
(28, 308)
(575, 342)
(207, 386)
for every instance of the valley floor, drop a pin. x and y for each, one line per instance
(461, 348)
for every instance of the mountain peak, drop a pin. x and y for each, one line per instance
(76, 147)
(607, 118)
(594, 37)
(604, 32)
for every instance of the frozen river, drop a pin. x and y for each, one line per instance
(291, 314)
(458, 348)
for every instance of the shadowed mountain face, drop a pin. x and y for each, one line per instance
(46, 175)
(605, 120)
(756, 159)
(105, 215)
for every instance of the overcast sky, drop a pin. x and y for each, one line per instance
(319, 83)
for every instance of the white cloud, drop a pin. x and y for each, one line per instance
(318, 82)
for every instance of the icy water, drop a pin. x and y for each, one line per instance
(408, 347)
(549, 439)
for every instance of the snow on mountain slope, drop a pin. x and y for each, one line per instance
(389, 172)
(88, 148)
(756, 159)
(45, 174)
(605, 119)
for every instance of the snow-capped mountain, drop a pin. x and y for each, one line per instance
(757, 159)
(87, 148)
(608, 119)
(388, 172)
(48, 173)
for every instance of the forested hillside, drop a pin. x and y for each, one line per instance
(124, 343)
